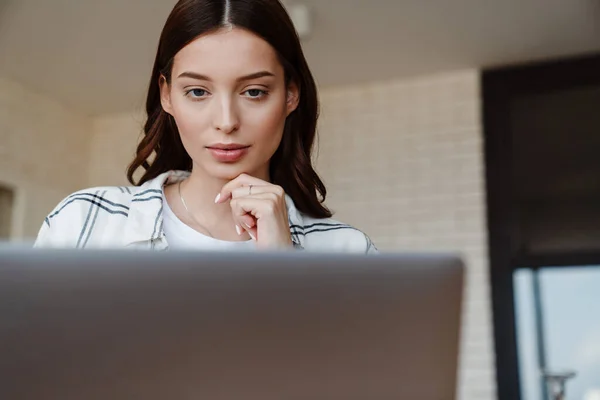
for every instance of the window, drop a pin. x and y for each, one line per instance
(542, 140)
(558, 328)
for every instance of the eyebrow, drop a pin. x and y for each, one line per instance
(200, 77)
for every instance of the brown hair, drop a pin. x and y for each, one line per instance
(290, 167)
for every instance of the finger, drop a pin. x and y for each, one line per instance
(242, 227)
(248, 210)
(273, 191)
(241, 181)
(253, 232)
(247, 206)
(245, 191)
(244, 222)
(267, 205)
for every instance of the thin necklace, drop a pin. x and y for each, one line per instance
(190, 213)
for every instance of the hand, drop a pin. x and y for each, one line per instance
(259, 208)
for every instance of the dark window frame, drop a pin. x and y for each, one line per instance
(499, 86)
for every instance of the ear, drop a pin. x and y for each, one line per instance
(292, 98)
(165, 95)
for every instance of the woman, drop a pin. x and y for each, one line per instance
(226, 156)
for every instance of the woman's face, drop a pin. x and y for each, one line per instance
(229, 100)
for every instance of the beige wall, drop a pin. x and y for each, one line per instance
(403, 160)
(114, 142)
(44, 153)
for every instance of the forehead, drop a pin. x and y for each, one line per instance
(227, 53)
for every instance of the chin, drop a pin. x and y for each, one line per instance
(229, 171)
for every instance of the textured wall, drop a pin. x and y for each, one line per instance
(403, 160)
(44, 153)
(114, 141)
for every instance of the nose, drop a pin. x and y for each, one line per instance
(226, 118)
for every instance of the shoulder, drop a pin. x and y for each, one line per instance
(65, 224)
(330, 235)
(106, 216)
(326, 234)
(111, 199)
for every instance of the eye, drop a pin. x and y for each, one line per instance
(197, 93)
(255, 93)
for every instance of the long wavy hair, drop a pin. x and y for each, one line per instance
(161, 150)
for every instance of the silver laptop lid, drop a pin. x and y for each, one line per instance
(129, 325)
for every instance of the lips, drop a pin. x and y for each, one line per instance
(231, 146)
(228, 153)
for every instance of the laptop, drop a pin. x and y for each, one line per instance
(187, 325)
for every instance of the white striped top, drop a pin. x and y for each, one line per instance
(132, 217)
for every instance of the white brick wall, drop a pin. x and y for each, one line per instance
(114, 141)
(44, 153)
(403, 161)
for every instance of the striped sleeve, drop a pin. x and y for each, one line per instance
(59, 228)
(54, 234)
(43, 237)
(75, 220)
(371, 249)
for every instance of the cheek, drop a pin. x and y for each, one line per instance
(190, 119)
(267, 124)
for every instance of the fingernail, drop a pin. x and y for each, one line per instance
(238, 230)
(217, 198)
(251, 235)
